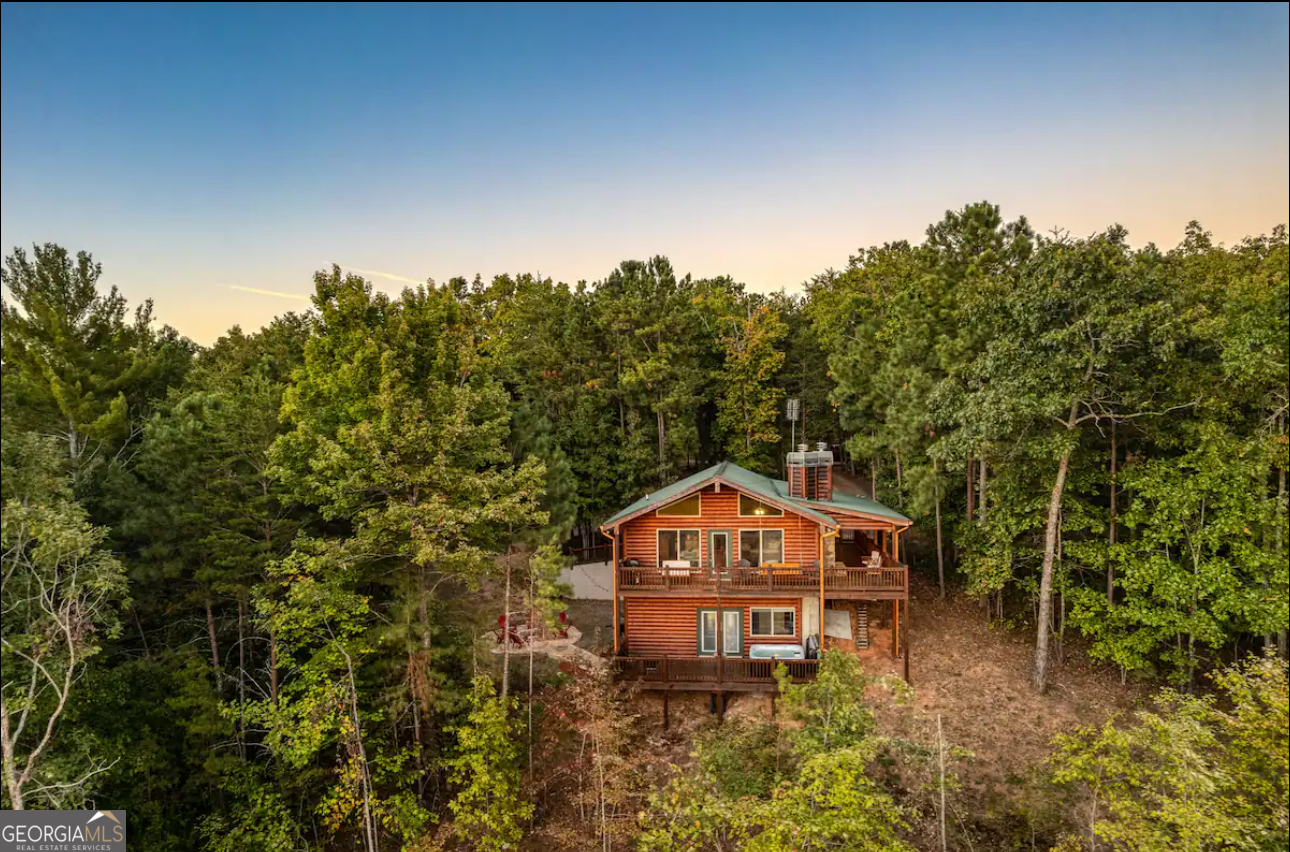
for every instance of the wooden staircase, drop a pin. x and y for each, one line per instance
(860, 629)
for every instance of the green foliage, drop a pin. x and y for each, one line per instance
(743, 757)
(1191, 777)
(259, 819)
(1196, 569)
(61, 592)
(489, 810)
(312, 515)
(830, 709)
(749, 402)
(748, 791)
(832, 804)
(74, 365)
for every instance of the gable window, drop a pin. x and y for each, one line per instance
(773, 621)
(686, 507)
(750, 508)
(678, 545)
(761, 547)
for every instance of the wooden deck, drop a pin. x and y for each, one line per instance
(709, 674)
(890, 582)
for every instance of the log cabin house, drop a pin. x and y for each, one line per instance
(723, 574)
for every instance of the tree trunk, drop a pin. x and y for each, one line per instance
(900, 477)
(1112, 534)
(7, 748)
(506, 633)
(940, 758)
(662, 447)
(873, 479)
(971, 490)
(1051, 533)
(74, 446)
(940, 548)
(210, 633)
(365, 775)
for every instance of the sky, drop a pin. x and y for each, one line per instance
(206, 152)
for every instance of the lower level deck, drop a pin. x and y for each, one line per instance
(709, 674)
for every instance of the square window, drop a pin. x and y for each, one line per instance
(676, 545)
(773, 621)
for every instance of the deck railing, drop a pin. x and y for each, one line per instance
(709, 670)
(886, 579)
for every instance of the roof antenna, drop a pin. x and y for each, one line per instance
(794, 413)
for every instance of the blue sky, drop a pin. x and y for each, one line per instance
(198, 149)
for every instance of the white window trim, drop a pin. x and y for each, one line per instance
(739, 507)
(772, 610)
(658, 551)
(698, 514)
(761, 544)
(703, 652)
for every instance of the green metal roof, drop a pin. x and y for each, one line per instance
(856, 503)
(775, 490)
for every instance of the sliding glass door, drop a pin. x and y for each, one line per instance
(732, 632)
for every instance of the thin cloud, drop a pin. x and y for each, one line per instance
(378, 274)
(276, 293)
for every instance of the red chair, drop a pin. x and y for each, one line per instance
(507, 634)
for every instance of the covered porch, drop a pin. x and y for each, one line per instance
(882, 578)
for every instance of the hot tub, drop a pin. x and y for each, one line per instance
(776, 652)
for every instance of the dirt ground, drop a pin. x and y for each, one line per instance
(977, 678)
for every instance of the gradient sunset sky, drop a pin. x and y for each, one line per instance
(199, 149)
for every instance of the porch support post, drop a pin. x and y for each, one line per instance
(613, 567)
(906, 648)
(895, 626)
(821, 624)
(895, 544)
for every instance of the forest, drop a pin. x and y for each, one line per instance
(247, 588)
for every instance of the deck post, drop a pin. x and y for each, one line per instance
(895, 545)
(906, 643)
(614, 568)
(895, 628)
(821, 568)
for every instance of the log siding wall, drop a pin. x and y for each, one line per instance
(720, 511)
(669, 626)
